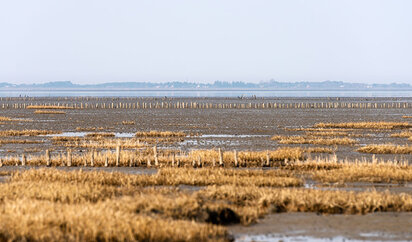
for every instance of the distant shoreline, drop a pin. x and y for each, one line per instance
(197, 90)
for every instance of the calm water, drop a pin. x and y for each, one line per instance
(206, 93)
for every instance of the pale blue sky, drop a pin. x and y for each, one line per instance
(205, 40)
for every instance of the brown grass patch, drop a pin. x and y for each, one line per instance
(319, 150)
(154, 133)
(27, 132)
(49, 112)
(36, 220)
(313, 140)
(403, 134)
(3, 119)
(128, 122)
(365, 125)
(310, 200)
(366, 172)
(165, 176)
(20, 141)
(386, 149)
(100, 135)
(48, 107)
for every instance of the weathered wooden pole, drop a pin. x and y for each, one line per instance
(69, 158)
(23, 160)
(48, 158)
(106, 161)
(235, 157)
(156, 160)
(220, 157)
(92, 159)
(1, 162)
(267, 159)
(173, 159)
(117, 154)
(199, 162)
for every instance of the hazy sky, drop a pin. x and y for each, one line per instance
(205, 40)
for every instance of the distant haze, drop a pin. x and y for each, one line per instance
(95, 41)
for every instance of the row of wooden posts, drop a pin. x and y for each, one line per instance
(196, 105)
(195, 164)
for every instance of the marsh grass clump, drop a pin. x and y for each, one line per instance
(386, 149)
(26, 132)
(313, 140)
(48, 107)
(403, 134)
(49, 112)
(311, 200)
(366, 172)
(100, 135)
(125, 122)
(154, 133)
(165, 176)
(365, 125)
(319, 150)
(19, 141)
(36, 220)
(4, 119)
(87, 129)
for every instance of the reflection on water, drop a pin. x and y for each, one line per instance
(206, 93)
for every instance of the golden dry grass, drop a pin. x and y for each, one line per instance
(48, 107)
(3, 119)
(86, 129)
(36, 220)
(49, 112)
(366, 172)
(141, 157)
(19, 141)
(27, 132)
(327, 133)
(406, 116)
(365, 125)
(319, 150)
(125, 122)
(313, 140)
(100, 135)
(154, 133)
(50, 204)
(386, 149)
(166, 176)
(403, 134)
(310, 200)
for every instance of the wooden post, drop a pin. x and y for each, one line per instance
(92, 159)
(267, 159)
(178, 162)
(220, 157)
(117, 154)
(131, 162)
(48, 158)
(194, 163)
(149, 164)
(69, 157)
(23, 160)
(173, 159)
(106, 162)
(199, 162)
(1, 162)
(235, 157)
(155, 155)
